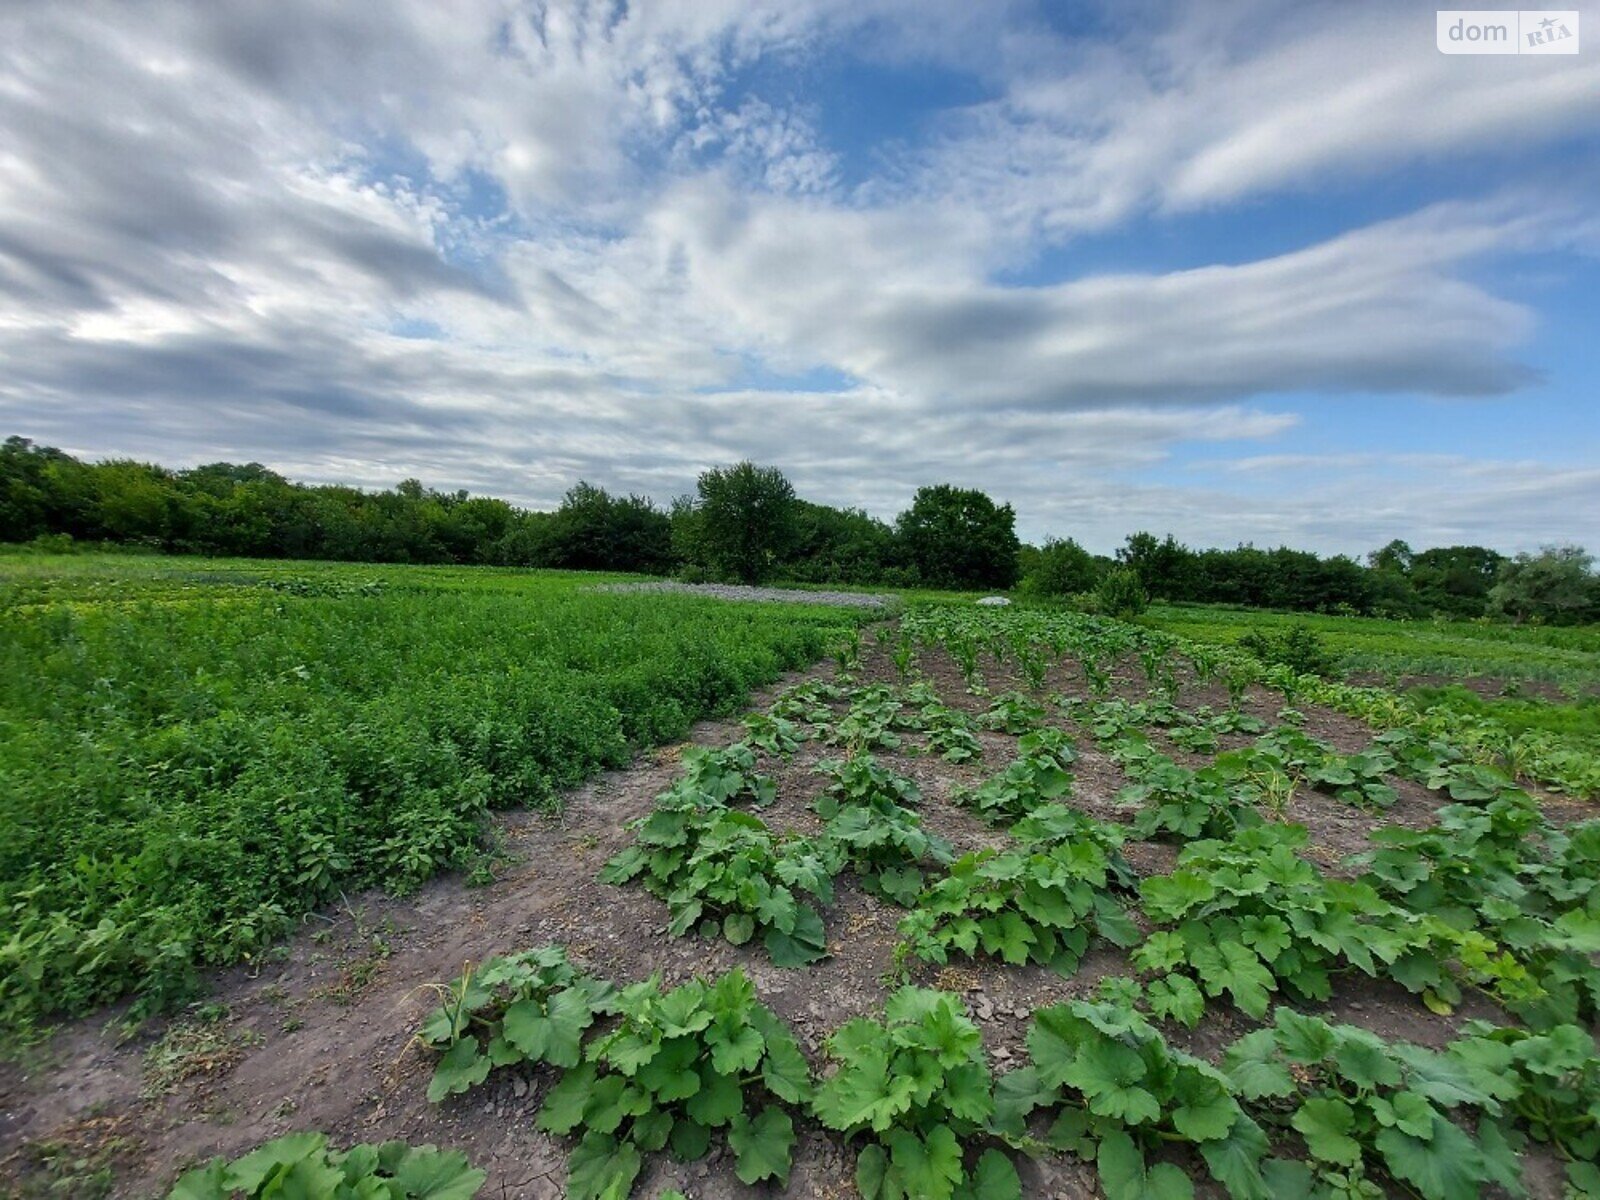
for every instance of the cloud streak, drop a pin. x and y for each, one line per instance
(500, 245)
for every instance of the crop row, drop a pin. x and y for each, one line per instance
(185, 774)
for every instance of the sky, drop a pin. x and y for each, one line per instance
(1241, 272)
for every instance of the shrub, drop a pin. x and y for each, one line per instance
(1120, 594)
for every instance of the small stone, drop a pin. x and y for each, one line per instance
(519, 1087)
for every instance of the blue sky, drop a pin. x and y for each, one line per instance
(1246, 272)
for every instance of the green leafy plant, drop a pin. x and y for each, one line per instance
(862, 779)
(1196, 739)
(1501, 869)
(1036, 776)
(533, 1006)
(868, 724)
(678, 1066)
(1362, 1105)
(722, 776)
(1012, 712)
(725, 871)
(808, 704)
(1549, 1083)
(778, 736)
(1247, 916)
(1117, 1094)
(1039, 903)
(303, 1164)
(1298, 648)
(950, 736)
(885, 845)
(1175, 800)
(915, 1086)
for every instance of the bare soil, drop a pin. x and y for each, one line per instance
(319, 1036)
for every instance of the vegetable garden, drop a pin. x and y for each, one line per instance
(1018, 902)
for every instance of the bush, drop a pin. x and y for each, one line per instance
(1120, 594)
(1060, 568)
(1298, 648)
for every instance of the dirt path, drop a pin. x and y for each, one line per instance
(319, 1038)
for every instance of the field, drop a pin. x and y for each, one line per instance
(1565, 660)
(195, 754)
(992, 903)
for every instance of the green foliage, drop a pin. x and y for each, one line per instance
(1357, 779)
(950, 736)
(744, 521)
(1298, 648)
(302, 1164)
(915, 1085)
(959, 538)
(1558, 585)
(724, 871)
(862, 779)
(1117, 1093)
(775, 735)
(725, 776)
(1549, 1083)
(1503, 871)
(1184, 803)
(1359, 1104)
(532, 1007)
(1040, 903)
(1060, 569)
(1037, 776)
(193, 761)
(1243, 918)
(1012, 713)
(677, 1066)
(870, 721)
(885, 845)
(1120, 594)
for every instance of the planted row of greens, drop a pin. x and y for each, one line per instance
(1299, 1107)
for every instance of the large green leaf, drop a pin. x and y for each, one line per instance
(762, 1146)
(1124, 1177)
(459, 1068)
(602, 1168)
(1325, 1123)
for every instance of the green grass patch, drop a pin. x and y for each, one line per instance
(195, 753)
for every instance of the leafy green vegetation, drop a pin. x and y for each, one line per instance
(1039, 903)
(641, 1070)
(193, 755)
(303, 1164)
(1360, 1105)
(1249, 916)
(678, 1066)
(1117, 1093)
(915, 1085)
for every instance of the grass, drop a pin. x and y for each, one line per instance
(195, 753)
(1568, 658)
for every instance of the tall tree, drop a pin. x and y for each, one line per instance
(959, 537)
(746, 519)
(1558, 584)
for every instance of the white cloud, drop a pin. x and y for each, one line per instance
(217, 220)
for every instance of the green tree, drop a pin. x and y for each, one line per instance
(1557, 585)
(1166, 568)
(959, 538)
(595, 531)
(746, 520)
(1120, 593)
(1396, 556)
(1060, 568)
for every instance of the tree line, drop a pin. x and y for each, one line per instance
(744, 523)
